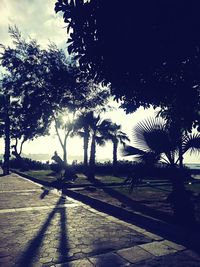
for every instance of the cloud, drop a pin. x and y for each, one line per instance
(34, 18)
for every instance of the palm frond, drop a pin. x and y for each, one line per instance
(131, 151)
(148, 158)
(123, 137)
(192, 143)
(78, 133)
(151, 135)
(100, 140)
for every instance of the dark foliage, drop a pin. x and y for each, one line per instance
(148, 50)
(128, 168)
(156, 140)
(55, 167)
(28, 164)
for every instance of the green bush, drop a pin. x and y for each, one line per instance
(55, 167)
(25, 164)
(126, 168)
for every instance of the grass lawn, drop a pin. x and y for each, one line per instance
(43, 175)
(49, 176)
(109, 179)
(151, 196)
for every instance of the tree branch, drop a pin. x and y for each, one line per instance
(57, 132)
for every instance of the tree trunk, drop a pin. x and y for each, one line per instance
(181, 200)
(115, 145)
(180, 155)
(15, 152)
(20, 161)
(65, 154)
(62, 143)
(91, 173)
(85, 146)
(6, 167)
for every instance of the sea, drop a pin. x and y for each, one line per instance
(194, 166)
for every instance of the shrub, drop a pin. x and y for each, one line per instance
(25, 164)
(125, 168)
(55, 167)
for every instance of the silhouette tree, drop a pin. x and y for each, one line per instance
(99, 130)
(43, 83)
(97, 101)
(82, 129)
(64, 123)
(29, 80)
(26, 124)
(148, 51)
(5, 129)
(117, 137)
(87, 96)
(156, 140)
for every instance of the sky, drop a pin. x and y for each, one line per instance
(37, 19)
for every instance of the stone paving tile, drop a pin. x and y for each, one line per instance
(30, 199)
(158, 248)
(38, 208)
(108, 260)
(52, 231)
(134, 227)
(153, 236)
(64, 234)
(134, 254)
(15, 182)
(171, 244)
(180, 259)
(76, 263)
(24, 191)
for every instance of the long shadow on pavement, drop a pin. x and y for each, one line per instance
(31, 254)
(188, 237)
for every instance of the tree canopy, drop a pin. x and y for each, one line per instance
(147, 50)
(32, 80)
(42, 85)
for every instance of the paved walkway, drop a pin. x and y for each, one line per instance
(43, 228)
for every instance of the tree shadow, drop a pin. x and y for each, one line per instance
(148, 218)
(133, 204)
(31, 254)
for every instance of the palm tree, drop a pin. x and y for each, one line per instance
(156, 141)
(82, 129)
(117, 137)
(99, 134)
(88, 126)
